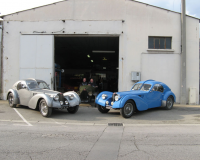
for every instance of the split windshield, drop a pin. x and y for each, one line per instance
(32, 84)
(43, 85)
(145, 87)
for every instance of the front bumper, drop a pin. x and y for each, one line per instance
(56, 104)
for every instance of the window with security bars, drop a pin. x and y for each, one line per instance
(160, 42)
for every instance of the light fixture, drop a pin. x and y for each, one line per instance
(103, 51)
(117, 68)
(104, 59)
(92, 61)
(104, 67)
(88, 56)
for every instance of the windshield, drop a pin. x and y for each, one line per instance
(43, 85)
(32, 84)
(137, 86)
(145, 87)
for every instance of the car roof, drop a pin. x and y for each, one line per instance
(28, 79)
(152, 82)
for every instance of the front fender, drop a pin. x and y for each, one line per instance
(34, 100)
(74, 102)
(15, 94)
(141, 105)
(167, 94)
(98, 98)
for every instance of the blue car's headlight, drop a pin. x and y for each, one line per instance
(117, 97)
(104, 96)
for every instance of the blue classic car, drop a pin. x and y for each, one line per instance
(142, 96)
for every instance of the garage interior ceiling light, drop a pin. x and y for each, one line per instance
(92, 61)
(103, 51)
(88, 56)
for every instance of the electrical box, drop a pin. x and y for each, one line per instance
(192, 95)
(135, 76)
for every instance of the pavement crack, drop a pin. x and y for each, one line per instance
(120, 142)
(96, 142)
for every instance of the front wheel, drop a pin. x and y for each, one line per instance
(11, 100)
(102, 109)
(44, 109)
(128, 109)
(169, 103)
(73, 109)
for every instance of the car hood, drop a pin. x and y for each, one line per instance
(134, 92)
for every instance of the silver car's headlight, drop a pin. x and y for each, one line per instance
(56, 97)
(71, 96)
(116, 97)
(104, 96)
(66, 102)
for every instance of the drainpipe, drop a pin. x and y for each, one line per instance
(183, 55)
(1, 44)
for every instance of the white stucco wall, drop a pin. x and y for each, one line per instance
(99, 17)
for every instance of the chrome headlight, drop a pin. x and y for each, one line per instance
(104, 96)
(66, 102)
(116, 97)
(71, 96)
(56, 97)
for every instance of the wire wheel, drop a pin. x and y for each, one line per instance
(44, 109)
(128, 109)
(11, 100)
(169, 102)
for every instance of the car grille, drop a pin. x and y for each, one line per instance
(61, 98)
(113, 97)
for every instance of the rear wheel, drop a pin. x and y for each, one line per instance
(11, 100)
(169, 103)
(44, 109)
(73, 109)
(128, 109)
(102, 109)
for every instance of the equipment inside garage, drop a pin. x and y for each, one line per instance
(87, 57)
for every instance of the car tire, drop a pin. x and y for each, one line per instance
(102, 109)
(73, 110)
(10, 100)
(45, 110)
(169, 103)
(128, 109)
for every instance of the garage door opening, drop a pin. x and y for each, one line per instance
(86, 57)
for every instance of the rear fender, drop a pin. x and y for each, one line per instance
(35, 99)
(15, 94)
(167, 94)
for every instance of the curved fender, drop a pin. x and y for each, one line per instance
(140, 103)
(167, 94)
(109, 95)
(15, 94)
(74, 102)
(34, 100)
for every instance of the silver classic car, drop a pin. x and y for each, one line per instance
(36, 94)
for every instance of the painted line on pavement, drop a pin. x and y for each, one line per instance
(22, 117)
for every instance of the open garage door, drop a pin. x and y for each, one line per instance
(89, 57)
(37, 57)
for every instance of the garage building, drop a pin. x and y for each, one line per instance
(114, 42)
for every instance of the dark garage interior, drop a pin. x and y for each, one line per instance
(89, 57)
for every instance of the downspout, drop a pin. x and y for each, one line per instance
(1, 48)
(183, 97)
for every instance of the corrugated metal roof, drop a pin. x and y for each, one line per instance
(67, 0)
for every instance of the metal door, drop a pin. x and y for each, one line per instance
(37, 57)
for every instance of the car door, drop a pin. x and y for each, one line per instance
(154, 97)
(23, 93)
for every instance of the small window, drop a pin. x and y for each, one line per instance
(19, 86)
(160, 42)
(158, 87)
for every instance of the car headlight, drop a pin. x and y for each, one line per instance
(116, 97)
(104, 96)
(71, 96)
(66, 102)
(56, 97)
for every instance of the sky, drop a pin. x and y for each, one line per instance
(10, 6)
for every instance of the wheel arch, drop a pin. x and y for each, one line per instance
(16, 98)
